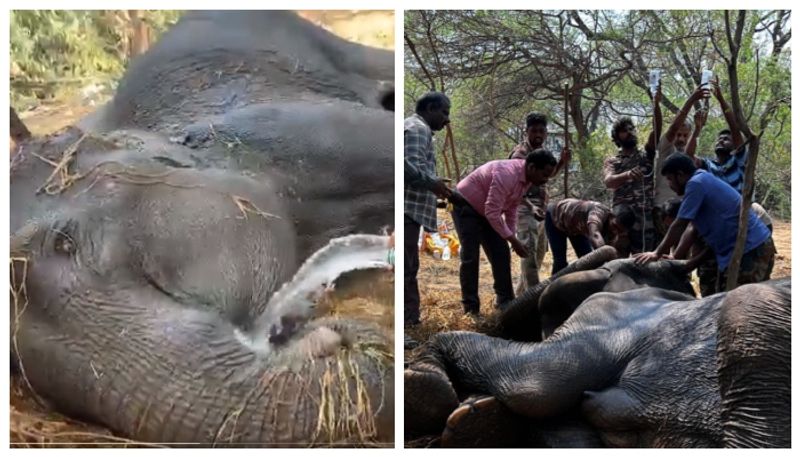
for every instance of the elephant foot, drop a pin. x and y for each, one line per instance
(429, 399)
(482, 422)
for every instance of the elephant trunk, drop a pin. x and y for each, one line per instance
(535, 380)
(172, 374)
(520, 321)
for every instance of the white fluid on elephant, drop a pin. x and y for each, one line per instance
(297, 298)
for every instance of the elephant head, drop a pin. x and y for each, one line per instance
(564, 294)
(159, 302)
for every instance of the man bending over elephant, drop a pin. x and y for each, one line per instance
(485, 214)
(588, 225)
(712, 206)
(530, 215)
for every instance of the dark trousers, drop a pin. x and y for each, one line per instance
(475, 231)
(410, 269)
(558, 243)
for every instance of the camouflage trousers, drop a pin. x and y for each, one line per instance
(660, 223)
(644, 223)
(756, 266)
(531, 233)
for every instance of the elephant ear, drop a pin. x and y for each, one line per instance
(520, 321)
(672, 275)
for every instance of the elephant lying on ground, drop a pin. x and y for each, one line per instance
(639, 368)
(171, 287)
(542, 308)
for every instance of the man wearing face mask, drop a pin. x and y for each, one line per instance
(530, 214)
(629, 174)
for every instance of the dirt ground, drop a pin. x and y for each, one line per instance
(32, 422)
(440, 292)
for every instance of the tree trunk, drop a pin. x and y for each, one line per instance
(744, 212)
(139, 35)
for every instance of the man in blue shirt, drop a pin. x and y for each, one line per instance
(712, 206)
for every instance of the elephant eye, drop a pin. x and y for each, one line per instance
(63, 243)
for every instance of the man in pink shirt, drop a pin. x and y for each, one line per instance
(485, 214)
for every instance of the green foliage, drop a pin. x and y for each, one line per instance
(499, 65)
(58, 51)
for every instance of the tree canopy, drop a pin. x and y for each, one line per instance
(497, 66)
(54, 51)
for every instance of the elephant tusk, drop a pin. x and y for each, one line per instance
(294, 303)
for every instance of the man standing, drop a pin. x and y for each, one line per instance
(530, 215)
(674, 140)
(485, 214)
(630, 175)
(731, 154)
(712, 207)
(422, 186)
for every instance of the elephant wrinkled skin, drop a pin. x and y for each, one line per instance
(637, 368)
(169, 282)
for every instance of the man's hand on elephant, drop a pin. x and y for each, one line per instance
(518, 247)
(645, 257)
(440, 189)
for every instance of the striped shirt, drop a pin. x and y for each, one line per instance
(494, 190)
(420, 172)
(731, 171)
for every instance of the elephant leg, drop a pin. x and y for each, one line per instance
(429, 396)
(754, 366)
(483, 421)
(563, 296)
(615, 415)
